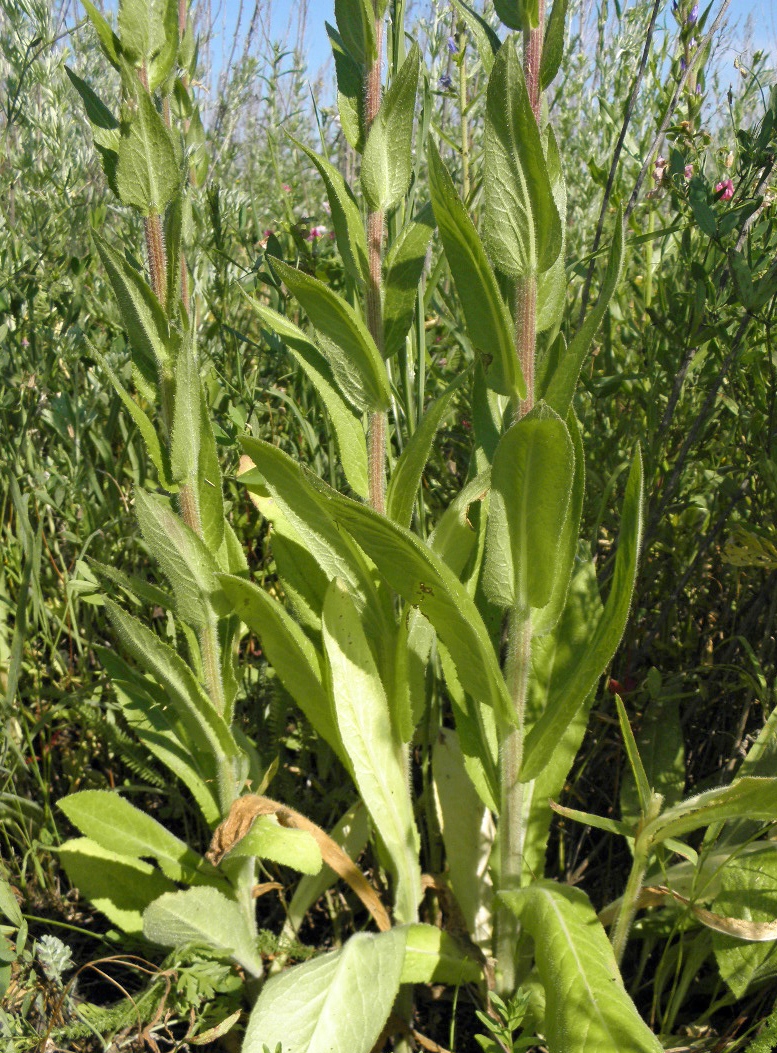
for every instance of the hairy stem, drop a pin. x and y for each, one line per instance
(375, 226)
(519, 630)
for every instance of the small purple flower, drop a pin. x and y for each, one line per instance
(693, 17)
(452, 46)
(688, 171)
(683, 65)
(446, 84)
(725, 190)
(316, 233)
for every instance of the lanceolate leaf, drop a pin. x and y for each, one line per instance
(183, 557)
(350, 90)
(346, 216)
(349, 432)
(185, 444)
(553, 45)
(337, 1003)
(558, 388)
(356, 22)
(206, 917)
(587, 1007)
(486, 40)
(208, 730)
(518, 14)
(552, 283)
(148, 172)
(209, 487)
(405, 479)
(404, 266)
(422, 579)
(488, 321)
(531, 482)
(522, 225)
(105, 127)
(145, 427)
(118, 886)
(750, 797)
(379, 764)
(387, 163)
(358, 369)
(288, 650)
(567, 692)
(545, 620)
(118, 826)
(141, 313)
(109, 42)
(307, 512)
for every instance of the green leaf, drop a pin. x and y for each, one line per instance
(402, 272)
(206, 727)
(148, 171)
(486, 40)
(105, 127)
(387, 164)
(185, 561)
(350, 91)
(185, 442)
(296, 494)
(750, 797)
(552, 283)
(422, 579)
(356, 22)
(165, 52)
(346, 216)
(521, 223)
(545, 620)
(557, 389)
(148, 433)
(518, 14)
(355, 360)
(378, 762)
(748, 892)
(467, 833)
(109, 42)
(337, 1003)
(267, 839)
(209, 485)
(406, 477)
(119, 887)
(433, 956)
(349, 432)
(569, 690)
(205, 917)
(659, 742)
(702, 213)
(289, 651)
(587, 1007)
(116, 825)
(552, 654)
(636, 768)
(553, 44)
(160, 729)
(531, 482)
(142, 314)
(488, 321)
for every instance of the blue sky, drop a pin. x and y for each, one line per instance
(764, 14)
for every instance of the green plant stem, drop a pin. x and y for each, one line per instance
(519, 629)
(376, 444)
(620, 933)
(465, 187)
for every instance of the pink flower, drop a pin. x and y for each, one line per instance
(688, 171)
(287, 188)
(725, 190)
(316, 233)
